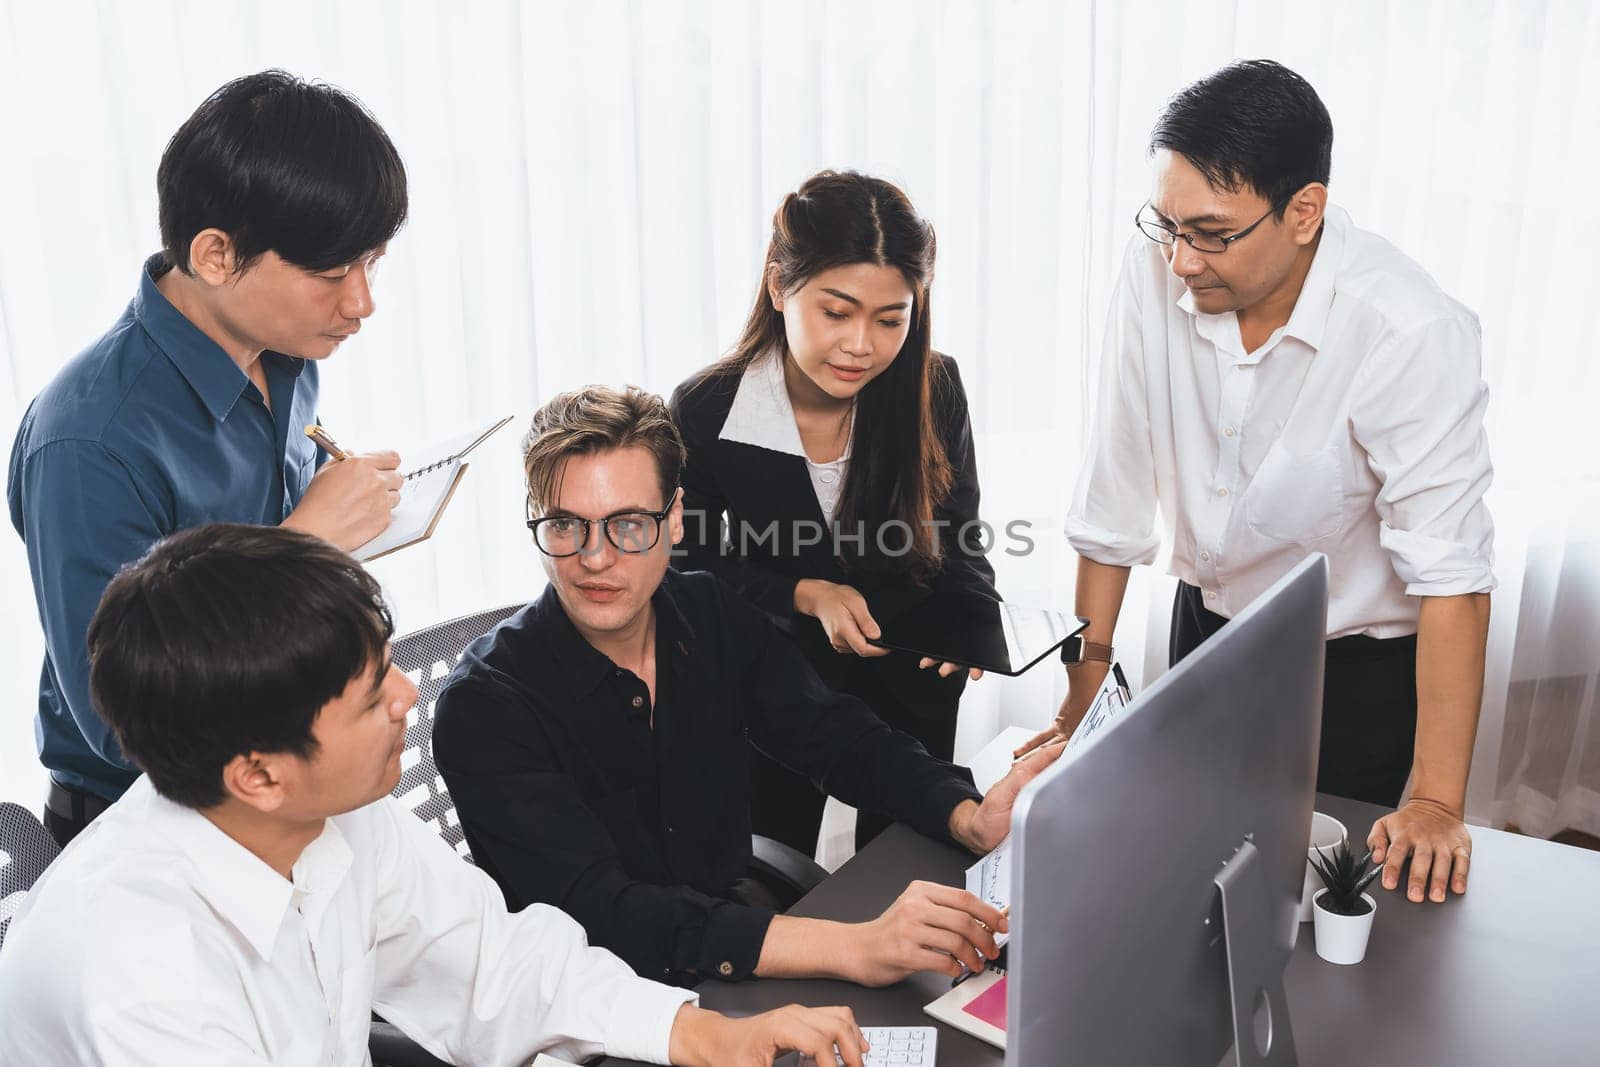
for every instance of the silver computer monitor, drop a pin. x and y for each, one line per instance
(1118, 953)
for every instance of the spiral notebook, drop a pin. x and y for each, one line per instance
(428, 487)
(977, 1006)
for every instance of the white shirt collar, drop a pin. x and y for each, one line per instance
(761, 414)
(1309, 319)
(242, 889)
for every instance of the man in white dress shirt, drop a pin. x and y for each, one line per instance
(256, 894)
(1278, 382)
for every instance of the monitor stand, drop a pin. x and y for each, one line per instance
(1252, 970)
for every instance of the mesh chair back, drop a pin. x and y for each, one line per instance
(26, 849)
(427, 656)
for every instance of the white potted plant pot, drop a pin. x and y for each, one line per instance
(1326, 832)
(1342, 938)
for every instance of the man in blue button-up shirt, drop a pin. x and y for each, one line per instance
(277, 197)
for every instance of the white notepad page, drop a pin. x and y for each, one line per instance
(428, 486)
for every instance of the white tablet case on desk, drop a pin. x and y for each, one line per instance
(975, 1006)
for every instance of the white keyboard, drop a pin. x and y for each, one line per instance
(912, 1046)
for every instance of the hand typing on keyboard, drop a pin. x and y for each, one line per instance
(911, 1045)
(892, 1046)
(702, 1038)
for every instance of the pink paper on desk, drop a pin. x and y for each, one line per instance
(990, 1005)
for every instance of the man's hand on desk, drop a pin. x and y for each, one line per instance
(702, 1038)
(349, 500)
(1435, 839)
(931, 927)
(980, 827)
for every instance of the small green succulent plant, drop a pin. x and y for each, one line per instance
(1346, 877)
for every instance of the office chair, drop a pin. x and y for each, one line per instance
(428, 656)
(26, 849)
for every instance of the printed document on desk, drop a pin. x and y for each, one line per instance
(1109, 701)
(990, 878)
(990, 881)
(428, 487)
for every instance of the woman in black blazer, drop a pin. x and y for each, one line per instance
(830, 475)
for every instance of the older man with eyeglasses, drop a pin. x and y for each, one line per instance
(1278, 382)
(598, 743)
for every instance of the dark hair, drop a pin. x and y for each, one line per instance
(597, 419)
(1254, 124)
(284, 165)
(898, 468)
(227, 639)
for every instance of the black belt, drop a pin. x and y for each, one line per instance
(75, 805)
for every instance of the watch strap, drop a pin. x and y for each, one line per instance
(1100, 653)
(1088, 651)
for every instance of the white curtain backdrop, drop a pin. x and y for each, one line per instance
(591, 189)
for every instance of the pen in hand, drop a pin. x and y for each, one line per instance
(967, 972)
(326, 442)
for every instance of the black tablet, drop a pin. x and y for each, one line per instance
(972, 629)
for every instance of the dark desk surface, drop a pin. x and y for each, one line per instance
(1508, 974)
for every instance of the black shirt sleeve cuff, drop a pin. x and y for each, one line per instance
(731, 945)
(931, 814)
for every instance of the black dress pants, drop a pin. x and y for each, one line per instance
(1369, 704)
(785, 806)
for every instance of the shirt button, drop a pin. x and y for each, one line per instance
(1228, 432)
(724, 968)
(638, 702)
(1205, 557)
(1222, 492)
(829, 477)
(1210, 595)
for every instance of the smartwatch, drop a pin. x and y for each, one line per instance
(1076, 650)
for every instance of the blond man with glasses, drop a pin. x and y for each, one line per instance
(599, 744)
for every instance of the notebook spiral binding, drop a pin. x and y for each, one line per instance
(420, 471)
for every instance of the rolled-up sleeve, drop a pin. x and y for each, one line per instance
(1418, 413)
(1112, 516)
(477, 984)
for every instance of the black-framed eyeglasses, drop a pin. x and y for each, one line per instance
(632, 532)
(1210, 243)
